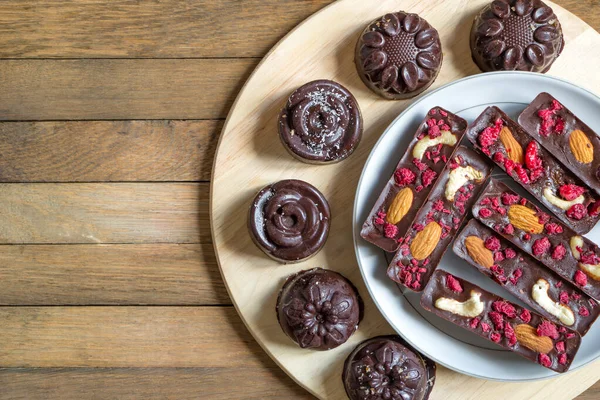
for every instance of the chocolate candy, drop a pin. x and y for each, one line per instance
(532, 166)
(398, 55)
(289, 220)
(563, 134)
(319, 309)
(573, 257)
(522, 35)
(387, 368)
(321, 123)
(500, 321)
(438, 219)
(433, 144)
(520, 274)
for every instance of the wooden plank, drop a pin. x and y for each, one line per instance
(42, 213)
(593, 393)
(264, 382)
(155, 274)
(147, 29)
(86, 151)
(120, 89)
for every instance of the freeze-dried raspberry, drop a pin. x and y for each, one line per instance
(559, 128)
(490, 135)
(497, 270)
(474, 323)
(485, 327)
(547, 328)
(416, 285)
(553, 228)
(492, 243)
(544, 360)
(560, 347)
(563, 297)
(522, 174)
(419, 188)
(496, 319)
(438, 205)
(379, 221)
(495, 202)
(431, 122)
(541, 246)
(485, 212)
(542, 217)
(594, 208)
(434, 132)
(418, 227)
(495, 337)
(526, 237)
(419, 164)
(525, 316)
(509, 229)
(498, 157)
(515, 276)
(509, 253)
(509, 198)
(577, 212)
(509, 166)
(428, 177)
(443, 113)
(562, 359)
(575, 295)
(535, 174)
(509, 333)
(589, 257)
(505, 308)
(570, 192)
(559, 252)
(498, 256)
(390, 230)
(486, 201)
(404, 176)
(453, 284)
(583, 311)
(523, 201)
(532, 159)
(570, 335)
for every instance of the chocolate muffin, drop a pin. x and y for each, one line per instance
(319, 309)
(398, 55)
(386, 367)
(321, 123)
(522, 35)
(289, 220)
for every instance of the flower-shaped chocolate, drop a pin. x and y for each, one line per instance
(398, 55)
(522, 35)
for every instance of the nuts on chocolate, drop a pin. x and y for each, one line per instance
(591, 270)
(560, 203)
(470, 308)
(582, 148)
(425, 241)
(513, 148)
(525, 218)
(458, 177)
(528, 337)
(423, 144)
(539, 293)
(478, 252)
(399, 206)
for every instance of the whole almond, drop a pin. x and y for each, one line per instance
(399, 206)
(525, 218)
(527, 336)
(513, 148)
(582, 148)
(426, 241)
(476, 249)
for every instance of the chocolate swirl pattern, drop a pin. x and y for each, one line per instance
(289, 220)
(321, 122)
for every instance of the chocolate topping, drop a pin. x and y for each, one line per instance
(289, 220)
(319, 309)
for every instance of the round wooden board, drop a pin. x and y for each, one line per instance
(250, 155)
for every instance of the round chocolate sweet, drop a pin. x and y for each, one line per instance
(386, 367)
(289, 220)
(321, 123)
(319, 309)
(398, 55)
(522, 35)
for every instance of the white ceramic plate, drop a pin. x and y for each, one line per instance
(440, 340)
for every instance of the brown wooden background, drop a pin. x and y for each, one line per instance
(110, 113)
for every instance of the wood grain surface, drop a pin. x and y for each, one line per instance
(117, 107)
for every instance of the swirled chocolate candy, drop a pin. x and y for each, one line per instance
(289, 220)
(319, 309)
(522, 35)
(321, 123)
(398, 55)
(386, 367)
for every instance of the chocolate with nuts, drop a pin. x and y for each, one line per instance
(558, 130)
(520, 274)
(573, 257)
(434, 142)
(534, 168)
(500, 321)
(438, 220)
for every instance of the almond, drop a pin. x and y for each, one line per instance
(476, 249)
(525, 218)
(527, 336)
(425, 241)
(582, 148)
(513, 148)
(399, 206)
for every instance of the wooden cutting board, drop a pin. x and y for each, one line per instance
(250, 155)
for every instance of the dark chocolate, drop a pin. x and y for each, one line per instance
(289, 220)
(438, 220)
(321, 123)
(548, 241)
(413, 175)
(500, 321)
(532, 166)
(319, 309)
(387, 368)
(523, 35)
(554, 126)
(398, 55)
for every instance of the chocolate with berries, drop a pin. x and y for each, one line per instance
(520, 274)
(574, 143)
(435, 141)
(540, 235)
(500, 321)
(438, 220)
(534, 168)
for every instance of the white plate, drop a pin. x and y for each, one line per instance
(440, 340)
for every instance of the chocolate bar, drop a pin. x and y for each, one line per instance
(571, 141)
(555, 245)
(520, 274)
(500, 321)
(435, 141)
(437, 222)
(534, 168)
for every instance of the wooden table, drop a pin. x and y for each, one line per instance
(110, 114)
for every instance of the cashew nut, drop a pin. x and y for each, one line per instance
(591, 270)
(539, 292)
(422, 145)
(560, 203)
(458, 177)
(470, 308)
(574, 243)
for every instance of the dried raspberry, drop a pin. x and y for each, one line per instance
(406, 278)
(379, 221)
(495, 202)
(434, 132)
(495, 337)
(560, 126)
(577, 212)
(486, 201)
(492, 243)
(525, 316)
(390, 230)
(570, 335)
(508, 229)
(497, 270)
(547, 328)
(560, 347)
(474, 323)
(589, 257)
(509, 333)
(498, 157)
(558, 284)
(522, 174)
(428, 177)
(431, 122)
(542, 217)
(485, 212)
(498, 256)
(575, 295)
(509, 166)
(523, 201)
(443, 113)
(433, 111)
(535, 174)
(419, 188)
(485, 327)
(455, 220)
(541, 246)
(583, 311)
(515, 276)
(505, 308)
(509, 198)
(497, 319)
(594, 209)
(490, 135)
(570, 192)
(404, 176)
(532, 159)
(419, 164)
(453, 284)
(559, 252)
(526, 237)
(553, 228)
(556, 105)
(509, 253)
(416, 285)
(544, 360)
(418, 227)
(562, 359)
(563, 297)
(414, 262)
(438, 205)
